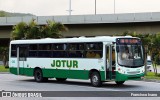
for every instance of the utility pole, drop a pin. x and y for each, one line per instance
(95, 7)
(70, 9)
(114, 7)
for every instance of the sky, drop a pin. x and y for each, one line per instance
(79, 7)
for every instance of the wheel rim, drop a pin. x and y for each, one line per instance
(38, 74)
(95, 79)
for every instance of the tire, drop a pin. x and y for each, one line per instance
(120, 82)
(95, 79)
(61, 79)
(38, 76)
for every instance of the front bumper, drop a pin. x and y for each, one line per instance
(124, 77)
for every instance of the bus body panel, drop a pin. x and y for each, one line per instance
(63, 70)
(67, 67)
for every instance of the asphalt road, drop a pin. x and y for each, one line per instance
(10, 82)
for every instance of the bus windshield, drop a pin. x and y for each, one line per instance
(130, 54)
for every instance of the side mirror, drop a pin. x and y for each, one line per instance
(117, 48)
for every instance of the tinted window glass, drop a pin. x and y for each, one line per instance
(33, 50)
(13, 50)
(94, 50)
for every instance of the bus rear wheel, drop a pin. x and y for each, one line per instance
(95, 79)
(120, 82)
(38, 76)
(61, 79)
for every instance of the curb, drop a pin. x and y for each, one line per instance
(151, 80)
(4, 73)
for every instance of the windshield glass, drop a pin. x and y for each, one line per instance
(130, 55)
(149, 62)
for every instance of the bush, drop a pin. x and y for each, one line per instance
(7, 66)
(158, 75)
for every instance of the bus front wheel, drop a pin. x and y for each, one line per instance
(38, 76)
(95, 79)
(119, 82)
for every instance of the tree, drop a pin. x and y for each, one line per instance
(52, 30)
(34, 31)
(155, 47)
(19, 31)
(2, 14)
(4, 55)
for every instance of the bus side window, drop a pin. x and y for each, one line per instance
(76, 50)
(13, 50)
(90, 54)
(44, 50)
(72, 50)
(23, 52)
(59, 50)
(94, 50)
(33, 48)
(81, 51)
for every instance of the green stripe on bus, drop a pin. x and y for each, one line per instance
(22, 71)
(58, 73)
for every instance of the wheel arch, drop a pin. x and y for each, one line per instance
(93, 70)
(41, 78)
(36, 69)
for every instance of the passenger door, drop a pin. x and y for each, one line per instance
(110, 62)
(22, 58)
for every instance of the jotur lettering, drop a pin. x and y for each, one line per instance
(65, 63)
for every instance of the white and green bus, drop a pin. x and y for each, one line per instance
(99, 59)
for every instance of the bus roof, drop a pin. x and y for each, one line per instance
(68, 40)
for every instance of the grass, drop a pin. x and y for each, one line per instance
(158, 66)
(3, 69)
(151, 75)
